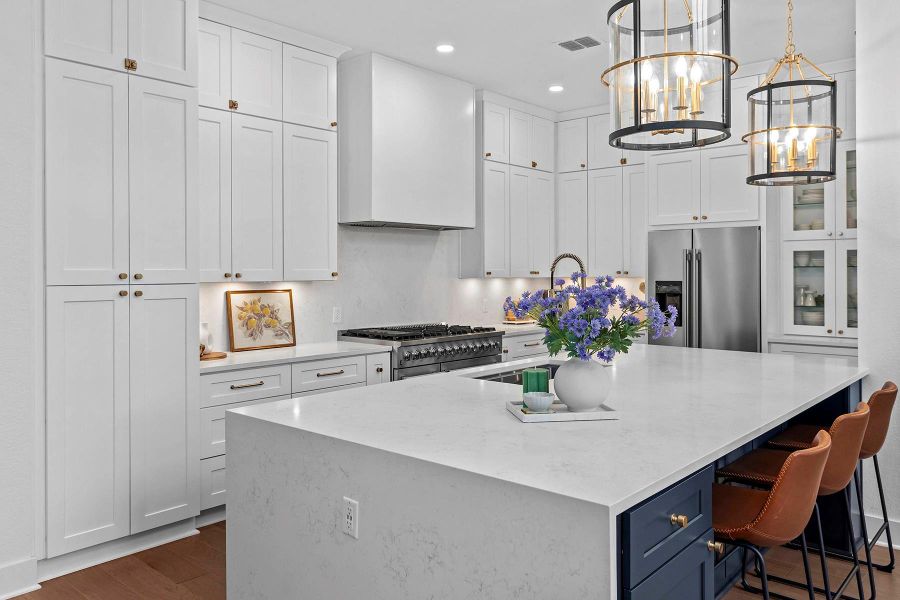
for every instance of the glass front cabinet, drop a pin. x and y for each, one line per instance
(819, 287)
(824, 211)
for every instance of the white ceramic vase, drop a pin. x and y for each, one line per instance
(583, 385)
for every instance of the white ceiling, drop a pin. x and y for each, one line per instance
(509, 46)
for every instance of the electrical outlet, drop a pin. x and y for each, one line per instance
(484, 306)
(351, 517)
(337, 314)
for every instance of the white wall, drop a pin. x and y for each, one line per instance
(21, 345)
(878, 153)
(387, 276)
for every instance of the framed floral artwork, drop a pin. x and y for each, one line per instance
(259, 319)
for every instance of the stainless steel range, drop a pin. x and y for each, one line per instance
(432, 347)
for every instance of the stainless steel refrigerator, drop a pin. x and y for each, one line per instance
(713, 277)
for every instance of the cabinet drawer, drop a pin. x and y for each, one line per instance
(246, 384)
(212, 482)
(378, 368)
(649, 534)
(523, 345)
(321, 374)
(212, 425)
(688, 575)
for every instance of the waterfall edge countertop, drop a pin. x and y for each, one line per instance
(679, 410)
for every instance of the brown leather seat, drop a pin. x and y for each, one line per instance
(774, 517)
(882, 404)
(761, 467)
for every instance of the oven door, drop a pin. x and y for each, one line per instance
(410, 372)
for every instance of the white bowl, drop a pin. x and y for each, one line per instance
(801, 259)
(538, 402)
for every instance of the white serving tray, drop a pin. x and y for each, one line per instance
(559, 412)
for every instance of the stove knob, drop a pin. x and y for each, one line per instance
(432, 351)
(407, 355)
(417, 355)
(456, 349)
(479, 347)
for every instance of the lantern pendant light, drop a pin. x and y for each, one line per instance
(793, 122)
(670, 79)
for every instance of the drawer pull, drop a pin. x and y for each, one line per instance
(680, 520)
(530, 344)
(717, 547)
(242, 386)
(330, 373)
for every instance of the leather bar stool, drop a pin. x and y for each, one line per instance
(762, 466)
(753, 519)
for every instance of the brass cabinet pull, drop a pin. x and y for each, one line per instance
(695, 218)
(138, 276)
(232, 105)
(123, 292)
(828, 331)
(534, 163)
(237, 275)
(123, 275)
(130, 64)
(704, 217)
(530, 344)
(717, 547)
(334, 123)
(680, 520)
(330, 373)
(618, 272)
(535, 272)
(379, 370)
(228, 275)
(488, 154)
(625, 272)
(138, 294)
(242, 386)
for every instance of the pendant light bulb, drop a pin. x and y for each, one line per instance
(773, 136)
(646, 71)
(654, 85)
(696, 73)
(810, 134)
(681, 67)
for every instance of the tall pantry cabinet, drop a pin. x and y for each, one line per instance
(121, 147)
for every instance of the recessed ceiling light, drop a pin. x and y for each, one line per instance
(556, 88)
(445, 48)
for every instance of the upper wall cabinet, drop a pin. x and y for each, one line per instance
(531, 141)
(571, 214)
(495, 132)
(572, 145)
(214, 50)
(740, 120)
(673, 180)
(600, 154)
(126, 209)
(310, 88)
(153, 38)
(214, 196)
(256, 75)
(530, 222)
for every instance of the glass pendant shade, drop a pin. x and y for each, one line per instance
(670, 79)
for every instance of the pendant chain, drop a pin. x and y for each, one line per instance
(790, 48)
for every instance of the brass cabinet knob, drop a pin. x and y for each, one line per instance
(623, 161)
(123, 292)
(130, 64)
(704, 217)
(379, 370)
(533, 163)
(840, 332)
(228, 275)
(232, 105)
(334, 123)
(138, 294)
(624, 272)
(680, 520)
(506, 351)
(827, 331)
(717, 547)
(583, 165)
(488, 154)
(618, 272)
(237, 275)
(334, 273)
(696, 218)
(488, 273)
(123, 275)
(138, 276)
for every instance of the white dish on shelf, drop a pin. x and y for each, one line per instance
(813, 317)
(801, 259)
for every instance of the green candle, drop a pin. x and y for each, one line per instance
(535, 380)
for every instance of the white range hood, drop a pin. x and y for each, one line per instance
(407, 146)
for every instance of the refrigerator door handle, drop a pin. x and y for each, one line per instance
(697, 300)
(687, 301)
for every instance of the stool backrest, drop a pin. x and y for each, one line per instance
(882, 404)
(847, 433)
(791, 500)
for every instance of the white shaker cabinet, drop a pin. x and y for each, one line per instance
(530, 222)
(162, 181)
(724, 195)
(214, 56)
(86, 192)
(256, 199)
(600, 154)
(543, 144)
(484, 251)
(572, 145)
(310, 88)
(310, 203)
(674, 187)
(164, 364)
(495, 132)
(571, 214)
(256, 74)
(531, 141)
(162, 39)
(87, 31)
(214, 196)
(604, 216)
(87, 416)
(634, 213)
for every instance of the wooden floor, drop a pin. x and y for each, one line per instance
(194, 568)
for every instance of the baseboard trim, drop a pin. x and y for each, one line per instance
(873, 522)
(18, 578)
(57, 566)
(210, 516)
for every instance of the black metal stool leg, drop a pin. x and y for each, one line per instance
(886, 528)
(851, 538)
(865, 534)
(809, 582)
(826, 583)
(760, 565)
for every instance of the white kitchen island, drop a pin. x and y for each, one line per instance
(458, 499)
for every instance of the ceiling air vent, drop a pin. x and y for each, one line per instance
(580, 43)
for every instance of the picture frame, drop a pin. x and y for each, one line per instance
(260, 319)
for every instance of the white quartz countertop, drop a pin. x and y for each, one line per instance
(511, 330)
(299, 353)
(679, 410)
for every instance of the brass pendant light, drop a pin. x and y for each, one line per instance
(670, 79)
(793, 122)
